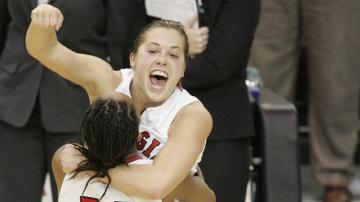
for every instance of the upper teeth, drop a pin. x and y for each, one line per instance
(159, 73)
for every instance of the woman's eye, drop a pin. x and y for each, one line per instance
(152, 51)
(174, 55)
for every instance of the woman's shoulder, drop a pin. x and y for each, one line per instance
(106, 82)
(197, 112)
(193, 119)
(196, 107)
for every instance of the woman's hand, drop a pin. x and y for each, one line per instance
(47, 16)
(197, 37)
(70, 158)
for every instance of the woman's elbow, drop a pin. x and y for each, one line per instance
(29, 44)
(36, 47)
(32, 49)
(159, 189)
(155, 192)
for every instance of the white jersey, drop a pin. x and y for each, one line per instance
(156, 121)
(71, 189)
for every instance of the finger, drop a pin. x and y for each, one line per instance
(202, 44)
(41, 19)
(53, 20)
(34, 19)
(191, 21)
(59, 22)
(139, 137)
(66, 170)
(200, 39)
(204, 30)
(38, 18)
(38, 14)
(203, 48)
(46, 19)
(205, 38)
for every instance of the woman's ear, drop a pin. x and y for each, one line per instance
(132, 60)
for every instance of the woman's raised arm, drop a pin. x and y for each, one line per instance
(92, 73)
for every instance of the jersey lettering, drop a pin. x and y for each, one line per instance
(141, 144)
(148, 150)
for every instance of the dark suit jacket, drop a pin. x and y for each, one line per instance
(217, 76)
(22, 79)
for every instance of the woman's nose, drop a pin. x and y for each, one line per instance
(161, 60)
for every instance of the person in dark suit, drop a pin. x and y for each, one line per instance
(324, 36)
(40, 111)
(217, 77)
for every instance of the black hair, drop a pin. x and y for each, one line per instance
(109, 133)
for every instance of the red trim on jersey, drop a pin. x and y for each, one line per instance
(133, 158)
(88, 199)
(179, 85)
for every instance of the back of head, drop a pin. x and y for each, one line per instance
(109, 132)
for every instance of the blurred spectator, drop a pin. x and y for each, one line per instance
(330, 33)
(39, 111)
(217, 77)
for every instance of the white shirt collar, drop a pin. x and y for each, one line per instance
(42, 2)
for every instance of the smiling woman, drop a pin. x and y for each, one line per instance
(159, 60)
(172, 121)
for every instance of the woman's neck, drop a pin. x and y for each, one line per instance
(139, 100)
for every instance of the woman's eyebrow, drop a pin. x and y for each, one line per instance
(157, 44)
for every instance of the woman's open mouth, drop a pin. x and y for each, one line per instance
(158, 78)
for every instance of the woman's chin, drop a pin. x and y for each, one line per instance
(157, 97)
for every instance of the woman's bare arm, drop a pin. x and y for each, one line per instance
(57, 169)
(191, 189)
(70, 162)
(187, 136)
(92, 73)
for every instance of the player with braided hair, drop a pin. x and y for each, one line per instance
(109, 132)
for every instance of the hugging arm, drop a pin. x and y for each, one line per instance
(187, 136)
(191, 189)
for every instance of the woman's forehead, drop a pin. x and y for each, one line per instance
(164, 37)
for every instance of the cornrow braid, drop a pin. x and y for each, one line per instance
(109, 133)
